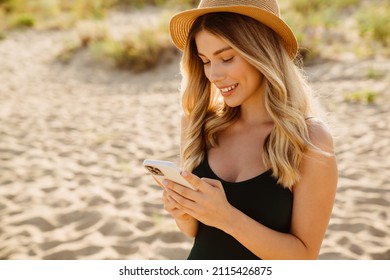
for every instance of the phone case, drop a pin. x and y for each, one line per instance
(165, 169)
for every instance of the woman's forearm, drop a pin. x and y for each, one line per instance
(188, 226)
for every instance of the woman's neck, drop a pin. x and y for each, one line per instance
(254, 113)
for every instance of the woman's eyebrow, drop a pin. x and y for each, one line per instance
(217, 52)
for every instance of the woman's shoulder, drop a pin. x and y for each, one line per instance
(320, 134)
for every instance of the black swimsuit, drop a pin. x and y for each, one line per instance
(261, 198)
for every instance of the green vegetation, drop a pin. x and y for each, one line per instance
(329, 27)
(139, 53)
(22, 20)
(50, 13)
(315, 6)
(161, 3)
(375, 74)
(363, 96)
(65, 13)
(324, 28)
(374, 23)
(318, 23)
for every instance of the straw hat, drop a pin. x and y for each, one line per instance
(265, 11)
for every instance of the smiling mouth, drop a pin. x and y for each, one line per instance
(228, 89)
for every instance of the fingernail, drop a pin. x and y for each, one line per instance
(184, 173)
(165, 182)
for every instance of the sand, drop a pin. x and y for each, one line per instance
(73, 137)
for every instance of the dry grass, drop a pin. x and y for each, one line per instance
(329, 28)
(324, 28)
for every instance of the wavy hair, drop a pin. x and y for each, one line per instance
(286, 96)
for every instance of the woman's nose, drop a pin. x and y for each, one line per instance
(216, 74)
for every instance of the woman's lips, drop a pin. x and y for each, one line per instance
(226, 91)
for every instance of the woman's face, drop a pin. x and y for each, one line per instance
(237, 80)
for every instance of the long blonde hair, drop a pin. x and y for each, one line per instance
(286, 96)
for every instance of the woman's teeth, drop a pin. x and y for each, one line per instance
(224, 90)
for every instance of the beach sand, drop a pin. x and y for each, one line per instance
(73, 137)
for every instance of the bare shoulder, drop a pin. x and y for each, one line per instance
(319, 164)
(320, 135)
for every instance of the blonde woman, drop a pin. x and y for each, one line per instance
(261, 162)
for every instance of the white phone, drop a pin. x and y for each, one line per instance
(161, 169)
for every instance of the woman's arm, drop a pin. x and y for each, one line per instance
(312, 207)
(186, 223)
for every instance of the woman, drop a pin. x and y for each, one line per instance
(261, 163)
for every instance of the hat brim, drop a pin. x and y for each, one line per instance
(181, 23)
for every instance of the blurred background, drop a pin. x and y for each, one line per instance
(89, 89)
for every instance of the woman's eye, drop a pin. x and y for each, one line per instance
(205, 62)
(228, 60)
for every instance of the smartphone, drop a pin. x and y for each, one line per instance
(161, 169)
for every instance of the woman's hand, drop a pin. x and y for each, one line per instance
(207, 203)
(173, 208)
(186, 223)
